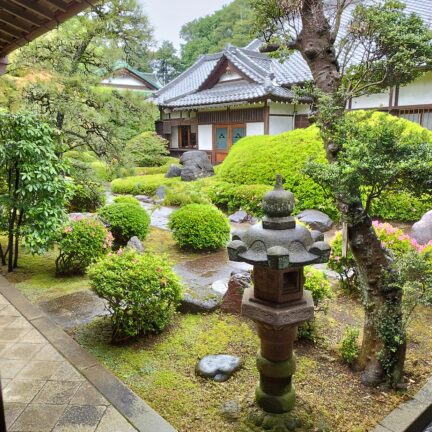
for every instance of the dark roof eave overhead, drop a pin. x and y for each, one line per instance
(34, 19)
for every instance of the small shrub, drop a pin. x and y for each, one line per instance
(183, 193)
(349, 348)
(142, 292)
(316, 282)
(88, 196)
(200, 227)
(128, 199)
(141, 185)
(82, 242)
(163, 169)
(147, 149)
(125, 220)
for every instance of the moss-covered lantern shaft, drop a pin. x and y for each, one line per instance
(278, 248)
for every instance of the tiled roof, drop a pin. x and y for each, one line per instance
(146, 76)
(270, 78)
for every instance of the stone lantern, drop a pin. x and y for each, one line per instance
(278, 248)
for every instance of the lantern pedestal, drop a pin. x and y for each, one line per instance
(277, 329)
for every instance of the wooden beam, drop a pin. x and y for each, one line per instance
(13, 22)
(20, 12)
(5, 28)
(59, 4)
(35, 7)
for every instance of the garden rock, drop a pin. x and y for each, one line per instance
(241, 217)
(316, 219)
(218, 367)
(135, 244)
(231, 410)
(191, 304)
(196, 165)
(145, 199)
(161, 192)
(173, 171)
(422, 230)
(232, 300)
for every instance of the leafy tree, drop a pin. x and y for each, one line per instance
(33, 191)
(381, 46)
(166, 63)
(209, 34)
(74, 57)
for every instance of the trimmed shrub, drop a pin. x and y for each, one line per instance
(147, 149)
(257, 160)
(142, 292)
(141, 185)
(200, 227)
(317, 283)
(163, 169)
(128, 199)
(88, 196)
(82, 242)
(183, 193)
(349, 348)
(125, 220)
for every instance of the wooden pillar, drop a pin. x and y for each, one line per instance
(266, 119)
(3, 65)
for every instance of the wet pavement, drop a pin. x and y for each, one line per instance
(74, 309)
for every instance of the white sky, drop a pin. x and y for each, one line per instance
(168, 16)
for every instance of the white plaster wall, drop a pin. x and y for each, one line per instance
(378, 100)
(122, 81)
(302, 109)
(279, 108)
(254, 128)
(205, 137)
(174, 137)
(418, 92)
(279, 124)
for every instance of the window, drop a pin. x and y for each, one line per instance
(187, 138)
(420, 116)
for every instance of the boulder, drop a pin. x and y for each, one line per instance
(422, 230)
(241, 217)
(161, 192)
(218, 367)
(196, 165)
(192, 304)
(317, 220)
(173, 171)
(135, 244)
(232, 300)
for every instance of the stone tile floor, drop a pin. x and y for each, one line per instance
(42, 391)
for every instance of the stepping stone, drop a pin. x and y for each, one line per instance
(218, 367)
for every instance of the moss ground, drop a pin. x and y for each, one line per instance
(160, 368)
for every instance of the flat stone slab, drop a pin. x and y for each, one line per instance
(218, 367)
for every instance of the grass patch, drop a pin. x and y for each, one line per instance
(163, 169)
(141, 185)
(35, 277)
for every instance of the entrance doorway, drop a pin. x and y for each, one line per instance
(224, 137)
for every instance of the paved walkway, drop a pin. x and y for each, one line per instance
(51, 384)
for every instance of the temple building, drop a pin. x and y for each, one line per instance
(241, 92)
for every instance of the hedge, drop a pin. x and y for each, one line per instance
(141, 185)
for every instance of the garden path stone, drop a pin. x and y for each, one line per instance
(74, 309)
(422, 230)
(219, 367)
(241, 216)
(317, 220)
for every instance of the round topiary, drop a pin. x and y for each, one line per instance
(200, 227)
(125, 220)
(142, 291)
(126, 199)
(81, 243)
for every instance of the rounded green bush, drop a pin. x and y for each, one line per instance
(141, 185)
(88, 196)
(200, 227)
(147, 149)
(81, 243)
(142, 291)
(128, 199)
(125, 220)
(257, 160)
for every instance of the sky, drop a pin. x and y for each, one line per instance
(168, 16)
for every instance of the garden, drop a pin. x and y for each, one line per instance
(139, 325)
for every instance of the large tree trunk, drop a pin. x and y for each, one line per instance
(316, 44)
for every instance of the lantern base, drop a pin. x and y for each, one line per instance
(258, 421)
